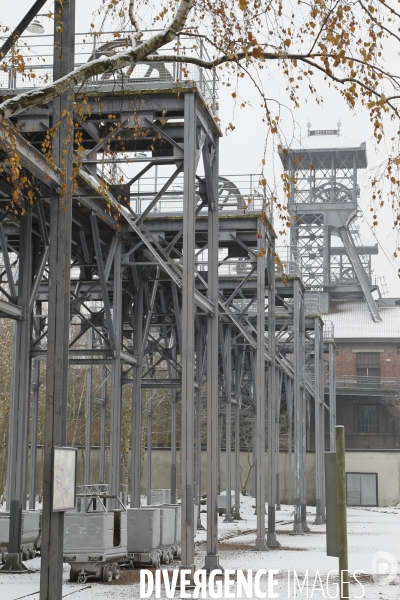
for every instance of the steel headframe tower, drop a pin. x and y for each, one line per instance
(322, 176)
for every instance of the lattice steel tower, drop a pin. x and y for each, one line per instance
(324, 193)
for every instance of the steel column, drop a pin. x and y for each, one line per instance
(319, 408)
(88, 424)
(136, 443)
(149, 441)
(59, 303)
(199, 377)
(289, 408)
(114, 475)
(213, 431)
(103, 410)
(20, 399)
(273, 411)
(332, 398)
(303, 466)
(188, 347)
(238, 382)
(260, 544)
(35, 415)
(278, 378)
(297, 404)
(228, 423)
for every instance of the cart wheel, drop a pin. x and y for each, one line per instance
(25, 552)
(107, 573)
(131, 566)
(73, 576)
(32, 552)
(154, 561)
(3, 555)
(82, 578)
(179, 553)
(166, 557)
(171, 556)
(116, 571)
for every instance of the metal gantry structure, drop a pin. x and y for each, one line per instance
(167, 281)
(324, 191)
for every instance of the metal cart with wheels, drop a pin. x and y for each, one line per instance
(95, 537)
(144, 537)
(31, 521)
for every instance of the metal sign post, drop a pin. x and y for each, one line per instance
(336, 517)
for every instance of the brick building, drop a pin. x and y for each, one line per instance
(368, 373)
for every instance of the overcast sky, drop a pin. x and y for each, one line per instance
(241, 151)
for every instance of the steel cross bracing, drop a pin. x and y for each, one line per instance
(168, 300)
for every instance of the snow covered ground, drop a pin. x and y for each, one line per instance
(369, 531)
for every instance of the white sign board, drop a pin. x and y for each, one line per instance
(64, 479)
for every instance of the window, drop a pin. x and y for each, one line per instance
(368, 364)
(368, 418)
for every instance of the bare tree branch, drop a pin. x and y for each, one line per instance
(138, 35)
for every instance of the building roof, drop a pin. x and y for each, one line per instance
(352, 320)
(328, 141)
(324, 149)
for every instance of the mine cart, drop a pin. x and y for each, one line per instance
(95, 536)
(144, 536)
(30, 535)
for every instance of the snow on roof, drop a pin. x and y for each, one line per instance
(352, 319)
(326, 142)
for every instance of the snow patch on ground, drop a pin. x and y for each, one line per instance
(369, 530)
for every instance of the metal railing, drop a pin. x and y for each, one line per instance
(289, 261)
(36, 52)
(367, 383)
(237, 193)
(328, 331)
(229, 268)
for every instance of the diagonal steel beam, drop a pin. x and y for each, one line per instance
(103, 281)
(42, 223)
(39, 275)
(159, 194)
(234, 293)
(104, 141)
(31, 159)
(164, 135)
(7, 264)
(151, 308)
(11, 310)
(110, 256)
(20, 28)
